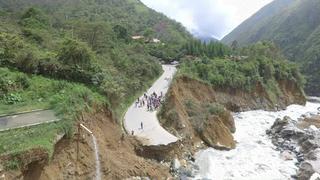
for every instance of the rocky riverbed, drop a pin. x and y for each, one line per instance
(255, 156)
(299, 141)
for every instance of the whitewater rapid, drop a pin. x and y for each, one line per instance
(255, 157)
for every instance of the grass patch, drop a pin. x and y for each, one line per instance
(19, 140)
(65, 98)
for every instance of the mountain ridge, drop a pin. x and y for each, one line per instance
(293, 25)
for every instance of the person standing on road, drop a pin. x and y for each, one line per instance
(141, 125)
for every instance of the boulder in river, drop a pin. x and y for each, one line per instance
(298, 140)
(287, 155)
(217, 135)
(305, 171)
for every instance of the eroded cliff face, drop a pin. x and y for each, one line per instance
(239, 100)
(117, 152)
(192, 111)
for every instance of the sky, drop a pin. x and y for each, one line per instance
(208, 18)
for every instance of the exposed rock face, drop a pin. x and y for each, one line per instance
(238, 100)
(185, 112)
(216, 134)
(300, 139)
(190, 112)
(117, 154)
(31, 164)
(305, 171)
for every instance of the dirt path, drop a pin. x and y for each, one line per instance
(27, 119)
(152, 132)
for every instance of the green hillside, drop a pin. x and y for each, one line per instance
(260, 63)
(132, 14)
(294, 26)
(71, 55)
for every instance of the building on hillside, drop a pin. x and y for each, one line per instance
(137, 37)
(155, 40)
(238, 58)
(146, 40)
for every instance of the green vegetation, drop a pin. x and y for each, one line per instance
(211, 49)
(259, 64)
(71, 56)
(294, 26)
(30, 92)
(199, 114)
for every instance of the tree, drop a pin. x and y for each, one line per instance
(234, 45)
(76, 54)
(121, 32)
(148, 33)
(97, 34)
(34, 18)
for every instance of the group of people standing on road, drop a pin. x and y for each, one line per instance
(152, 101)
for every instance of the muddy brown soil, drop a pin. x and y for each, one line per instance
(307, 122)
(237, 100)
(184, 114)
(188, 121)
(117, 152)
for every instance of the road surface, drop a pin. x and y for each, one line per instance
(152, 132)
(27, 119)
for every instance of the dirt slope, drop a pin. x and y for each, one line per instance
(118, 157)
(186, 114)
(238, 100)
(117, 154)
(192, 109)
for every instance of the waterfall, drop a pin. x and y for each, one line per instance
(96, 151)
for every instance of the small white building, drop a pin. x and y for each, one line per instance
(155, 40)
(137, 37)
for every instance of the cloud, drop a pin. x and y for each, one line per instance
(207, 17)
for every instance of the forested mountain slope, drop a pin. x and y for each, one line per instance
(88, 41)
(294, 26)
(75, 57)
(131, 14)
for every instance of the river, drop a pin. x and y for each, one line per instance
(255, 157)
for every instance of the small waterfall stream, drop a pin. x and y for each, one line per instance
(96, 151)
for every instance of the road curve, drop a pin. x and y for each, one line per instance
(152, 133)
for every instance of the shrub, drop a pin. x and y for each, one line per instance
(191, 108)
(12, 164)
(76, 55)
(215, 108)
(12, 98)
(23, 81)
(173, 116)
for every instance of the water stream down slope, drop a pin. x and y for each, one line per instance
(152, 132)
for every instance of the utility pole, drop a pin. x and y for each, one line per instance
(78, 141)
